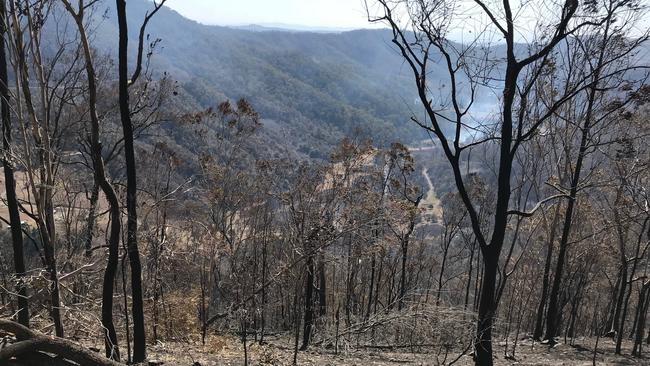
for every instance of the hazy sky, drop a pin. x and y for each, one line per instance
(313, 13)
(350, 14)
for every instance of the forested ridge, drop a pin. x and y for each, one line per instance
(319, 86)
(184, 194)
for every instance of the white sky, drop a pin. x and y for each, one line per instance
(313, 13)
(351, 14)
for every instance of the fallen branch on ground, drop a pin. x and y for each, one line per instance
(31, 342)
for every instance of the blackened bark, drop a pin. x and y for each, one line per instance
(611, 306)
(642, 310)
(552, 322)
(350, 274)
(112, 350)
(90, 222)
(101, 181)
(491, 252)
(402, 282)
(137, 307)
(55, 296)
(10, 182)
(469, 274)
(378, 283)
(309, 304)
(405, 246)
(620, 329)
(445, 251)
(539, 320)
(45, 208)
(371, 287)
(322, 288)
(264, 270)
(486, 309)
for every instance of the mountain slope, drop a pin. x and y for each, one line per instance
(312, 88)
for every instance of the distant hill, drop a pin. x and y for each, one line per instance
(310, 88)
(265, 27)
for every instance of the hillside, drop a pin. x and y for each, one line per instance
(311, 89)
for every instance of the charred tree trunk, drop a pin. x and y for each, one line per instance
(31, 343)
(42, 190)
(539, 319)
(611, 306)
(552, 316)
(553, 308)
(112, 349)
(642, 312)
(620, 329)
(469, 274)
(10, 182)
(442, 270)
(55, 297)
(350, 278)
(139, 336)
(309, 304)
(371, 286)
(402, 281)
(92, 213)
(322, 289)
(264, 270)
(101, 181)
(486, 311)
(492, 252)
(405, 240)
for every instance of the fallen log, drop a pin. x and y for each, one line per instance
(39, 358)
(29, 343)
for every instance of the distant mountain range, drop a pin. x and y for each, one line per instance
(311, 88)
(265, 27)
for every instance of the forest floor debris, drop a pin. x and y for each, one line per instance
(228, 351)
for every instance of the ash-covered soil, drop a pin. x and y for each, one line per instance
(229, 351)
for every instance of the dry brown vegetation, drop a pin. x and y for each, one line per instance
(520, 237)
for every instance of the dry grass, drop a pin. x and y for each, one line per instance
(221, 350)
